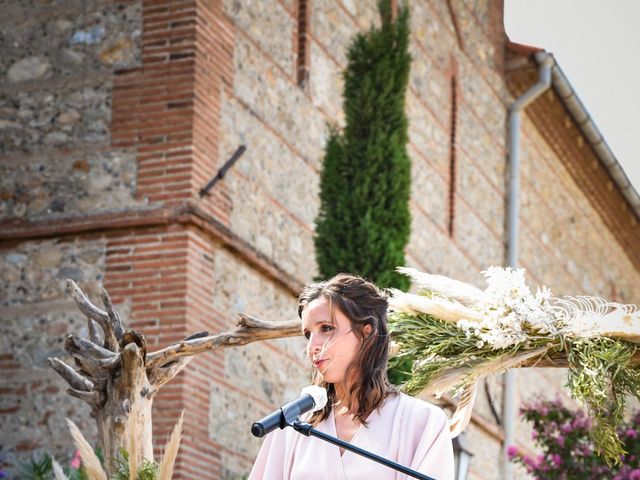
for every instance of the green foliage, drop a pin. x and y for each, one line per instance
(41, 468)
(600, 373)
(600, 376)
(148, 470)
(364, 220)
(437, 348)
(37, 468)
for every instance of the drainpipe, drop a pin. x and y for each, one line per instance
(545, 62)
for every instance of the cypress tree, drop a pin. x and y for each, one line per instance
(364, 221)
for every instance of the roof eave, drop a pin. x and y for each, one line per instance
(586, 124)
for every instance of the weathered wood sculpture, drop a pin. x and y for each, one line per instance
(114, 372)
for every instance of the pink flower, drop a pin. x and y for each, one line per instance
(560, 440)
(512, 451)
(631, 433)
(76, 461)
(556, 459)
(566, 428)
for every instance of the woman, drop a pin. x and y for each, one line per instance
(345, 322)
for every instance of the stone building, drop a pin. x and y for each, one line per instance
(114, 115)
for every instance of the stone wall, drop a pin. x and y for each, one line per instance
(35, 318)
(124, 109)
(57, 60)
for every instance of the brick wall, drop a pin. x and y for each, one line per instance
(110, 129)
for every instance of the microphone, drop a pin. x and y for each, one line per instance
(312, 398)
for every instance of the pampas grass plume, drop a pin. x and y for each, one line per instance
(171, 451)
(90, 461)
(58, 473)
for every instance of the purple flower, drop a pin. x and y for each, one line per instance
(635, 474)
(631, 433)
(560, 441)
(512, 451)
(566, 428)
(556, 459)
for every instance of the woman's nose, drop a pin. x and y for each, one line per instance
(315, 343)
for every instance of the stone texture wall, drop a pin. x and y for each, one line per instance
(113, 115)
(57, 61)
(35, 318)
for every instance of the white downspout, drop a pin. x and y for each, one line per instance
(545, 62)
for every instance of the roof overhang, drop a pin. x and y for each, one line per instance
(596, 169)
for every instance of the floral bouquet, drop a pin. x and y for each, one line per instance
(456, 334)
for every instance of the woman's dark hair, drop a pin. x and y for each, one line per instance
(363, 303)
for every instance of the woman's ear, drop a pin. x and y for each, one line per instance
(366, 330)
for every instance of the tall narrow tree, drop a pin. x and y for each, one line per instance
(364, 222)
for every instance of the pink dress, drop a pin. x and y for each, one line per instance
(406, 430)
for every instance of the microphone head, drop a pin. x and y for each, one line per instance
(318, 394)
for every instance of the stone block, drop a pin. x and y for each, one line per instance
(277, 101)
(485, 247)
(475, 188)
(432, 85)
(481, 147)
(240, 289)
(36, 271)
(430, 191)
(231, 414)
(269, 163)
(434, 35)
(269, 25)
(33, 118)
(429, 137)
(36, 187)
(332, 26)
(255, 215)
(36, 316)
(326, 84)
(81, 37)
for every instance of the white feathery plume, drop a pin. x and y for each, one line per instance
(90, 461)
(438, 307)
(462, 292)
(58, 473)
(587, 316)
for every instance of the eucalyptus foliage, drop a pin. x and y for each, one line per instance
(506, 325)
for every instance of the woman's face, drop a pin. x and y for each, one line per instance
(331, 343)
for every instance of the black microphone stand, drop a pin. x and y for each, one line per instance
(308, 430)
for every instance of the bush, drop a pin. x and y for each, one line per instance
(364, 222)
(568, 452)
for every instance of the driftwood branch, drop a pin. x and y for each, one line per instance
(249, 329)
(158, 376)
(92, 398)
(114, 318)
(93, 331)
(94, 313)
(116, 376)
(73, 378)
(78, 345)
